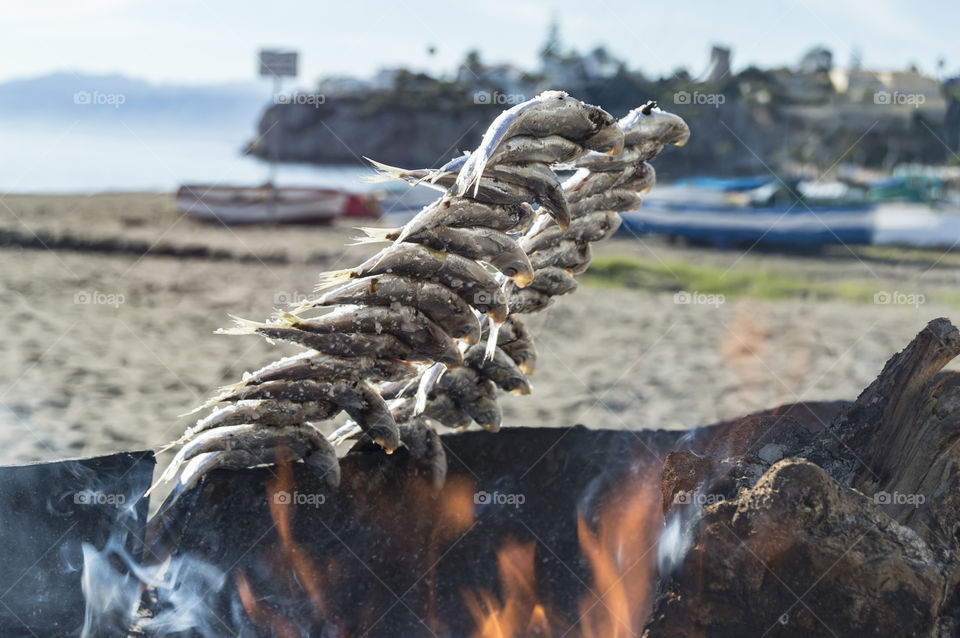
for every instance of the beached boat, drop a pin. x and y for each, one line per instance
(268, 204)
(725, 226)
(756, 211)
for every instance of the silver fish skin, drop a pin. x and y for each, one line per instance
(473, 395)
(426, 448)
(358, 399)
(567, 254)
(266, 413)
(528, 300)
(408, 324)
(547, 189)
(303, 440)
(436, 301)
(550, 113)
(641, 181)
(484, 244)
(306, 365)
(240, 459)
(467, 213)
(585, 183)
(648, 122)
(444, 410)
(355, 344)
(515, 184)
(553, 282)
(320, 366)
(603, 163)
(510, 330)
(613, 201)
(551, 149)
(523, 354)
(501, 369)
(594, 226)
(468, 279)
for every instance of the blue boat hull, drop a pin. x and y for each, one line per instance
(725, 226)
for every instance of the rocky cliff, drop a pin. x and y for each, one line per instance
(734, 133)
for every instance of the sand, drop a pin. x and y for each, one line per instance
(105, 348)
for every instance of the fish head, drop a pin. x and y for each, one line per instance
(520, 271)
(651, 123)
(607, 139)
(385, 435)
(643, 180)
(514, 264)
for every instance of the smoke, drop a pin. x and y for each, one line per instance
(123, 591)
(675, 539)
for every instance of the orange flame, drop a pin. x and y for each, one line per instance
(261, 615)
(520, 614)
(618, 545)
(421, 513)
(288, 557)
(620, 554)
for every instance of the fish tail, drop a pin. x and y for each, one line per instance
(303, 306)
(492, 338)
(332, 278)
(376, 235)
(242, 327)
(171, 445)
(385, 172)
(470, 174)
(289, 319)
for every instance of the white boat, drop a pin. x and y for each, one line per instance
(269, 204)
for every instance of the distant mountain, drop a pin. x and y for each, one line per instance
(111, 99)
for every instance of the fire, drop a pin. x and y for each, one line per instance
(617, 541)
(289, 557)
(420, 518)
(619, 552)
(620, 555)
(520, 614)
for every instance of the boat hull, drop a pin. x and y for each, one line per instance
(726, 227)
(243, 205)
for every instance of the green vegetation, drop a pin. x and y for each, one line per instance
(928, 257)
(672, 276)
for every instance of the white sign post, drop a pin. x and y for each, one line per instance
(277, 65)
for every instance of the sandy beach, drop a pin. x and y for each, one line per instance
(110, 304)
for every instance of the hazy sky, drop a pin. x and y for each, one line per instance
(194, 41)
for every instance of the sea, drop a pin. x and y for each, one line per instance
(88, 158)
(84, 159)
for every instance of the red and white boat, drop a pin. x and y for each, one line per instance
(269, 204)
